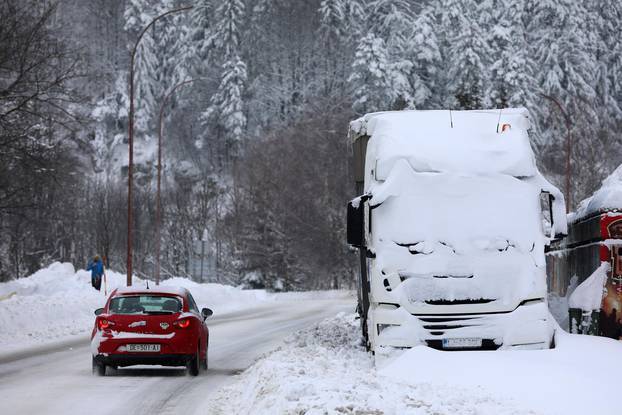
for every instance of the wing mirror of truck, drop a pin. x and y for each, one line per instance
(99, 311)
(356, 221)
(553, 215)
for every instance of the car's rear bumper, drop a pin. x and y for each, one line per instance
(131, 359)
(116, 343)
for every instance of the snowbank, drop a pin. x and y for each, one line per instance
(324, 370)
(571, 379)
(57, 303)
(609, 196)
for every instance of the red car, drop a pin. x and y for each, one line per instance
(161, 326)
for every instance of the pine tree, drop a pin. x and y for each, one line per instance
(227, 104)
(426, 58)
(467, 54)
(201, 19)
(340, 22)
(332, 17)
(563, 50)
(608, 19)
(512, 74)
(145, 70)
(372, 76)
(391, 20)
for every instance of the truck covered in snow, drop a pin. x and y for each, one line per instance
(449, 224)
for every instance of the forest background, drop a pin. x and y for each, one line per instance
(256, 158)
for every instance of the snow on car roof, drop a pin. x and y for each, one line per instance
(155, 290)
(463, 142)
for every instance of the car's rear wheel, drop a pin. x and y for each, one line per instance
(99, 369)
(194, 364)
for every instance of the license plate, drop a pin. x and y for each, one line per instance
(464, 343)
(143, 347)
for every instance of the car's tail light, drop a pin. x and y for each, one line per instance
(104, 324)
(183, 323)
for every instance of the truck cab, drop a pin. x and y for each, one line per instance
(450, 225)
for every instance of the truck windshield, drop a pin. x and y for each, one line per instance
(145, 304)
(463, 212)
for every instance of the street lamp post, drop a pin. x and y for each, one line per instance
(159, 168)
(568, 146)
(130, 168)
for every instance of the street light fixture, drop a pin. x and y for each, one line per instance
(158, 203)
(130, 168)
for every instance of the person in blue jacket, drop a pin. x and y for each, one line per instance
(96, 266)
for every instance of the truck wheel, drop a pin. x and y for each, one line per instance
(194, 363)
(99, 369)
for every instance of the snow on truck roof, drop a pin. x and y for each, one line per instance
(428, 141)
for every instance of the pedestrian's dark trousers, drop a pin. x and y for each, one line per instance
(96, 281)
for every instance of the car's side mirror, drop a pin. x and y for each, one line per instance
(206, 312)
(99, 311)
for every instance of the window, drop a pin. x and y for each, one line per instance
(192, 305)
(145, 304)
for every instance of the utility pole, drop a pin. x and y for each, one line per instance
(203, 240)
(159, 169)
(568, 147)
(130, 167)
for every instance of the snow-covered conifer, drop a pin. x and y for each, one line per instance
(372, 76)
(467, 54)
(512, 82)
(146, 73)
(227, 103)
(426, 59)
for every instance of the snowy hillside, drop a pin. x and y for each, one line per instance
(324, 370)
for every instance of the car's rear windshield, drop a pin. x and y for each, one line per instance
(145, 304)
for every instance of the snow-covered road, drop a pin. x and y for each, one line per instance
(61, 382)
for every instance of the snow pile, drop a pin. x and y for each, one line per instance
(427, 140)
(324, 370)
(57, 302)
(588, 296)
(609, 196)
(570, 379)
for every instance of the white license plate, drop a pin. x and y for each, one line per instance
(143, 347)
(464, 343)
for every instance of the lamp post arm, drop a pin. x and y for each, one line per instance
(155, 19)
